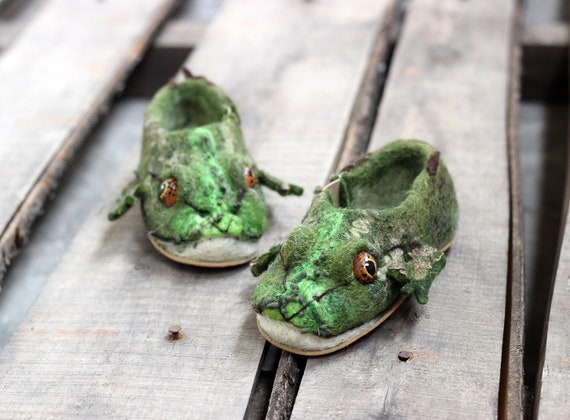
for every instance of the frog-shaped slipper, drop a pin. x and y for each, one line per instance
(372, 237)
(199, 188)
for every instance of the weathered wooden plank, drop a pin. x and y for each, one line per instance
(363, 116)
(56, 80)
(448, 85)
(357, 136)
(87, 178)
(85, 183)
(95, 342)
(552, 398)
(512, 395)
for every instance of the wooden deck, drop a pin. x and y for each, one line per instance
(316, 84)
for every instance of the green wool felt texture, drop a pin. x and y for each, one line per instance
(398, 204)
(192, 134)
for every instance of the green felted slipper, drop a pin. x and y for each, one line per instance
(372, 237)
(199, 188)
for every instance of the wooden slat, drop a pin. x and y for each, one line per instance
(95, 342)
(357, 136)
(448, 85)
(55, 81)
(512, 395)
(86, 182)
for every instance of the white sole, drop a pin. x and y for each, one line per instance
(288, 337)
(213, 252)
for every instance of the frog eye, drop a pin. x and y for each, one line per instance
(249, 177)
(169, 191)
(364, 267)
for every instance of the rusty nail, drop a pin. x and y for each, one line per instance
(174, 331)
(404, 355)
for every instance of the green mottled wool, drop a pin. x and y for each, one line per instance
(397, 204)
(192, 133)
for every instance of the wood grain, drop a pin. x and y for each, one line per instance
(95, 343)
(357, 136)
(448, 85)
(512, 395)
(56, 80)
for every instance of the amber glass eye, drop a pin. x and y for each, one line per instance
(364, 267)
(249, 177)
(169, 192)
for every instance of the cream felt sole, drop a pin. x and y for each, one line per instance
(287, 337)
(214, 252)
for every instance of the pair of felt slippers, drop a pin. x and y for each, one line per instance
(373, 236)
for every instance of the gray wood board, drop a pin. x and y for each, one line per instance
(56, 80)
(88, 179)
(512, 392)
(94, 342)
(448, 85)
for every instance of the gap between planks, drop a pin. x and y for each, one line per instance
(512, 402)
(545, 59)
(355, 142)
(550, 391)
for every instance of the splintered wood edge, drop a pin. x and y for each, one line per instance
(16, 233)
(289, 362)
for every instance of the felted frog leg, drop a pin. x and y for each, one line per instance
(416, 270)
(281, 187)
(128, 198)
(261, 263)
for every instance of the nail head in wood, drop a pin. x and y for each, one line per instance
(174, 331)
(405, 356)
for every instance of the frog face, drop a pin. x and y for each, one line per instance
(365, 244)
(325, 271)
(199, 188)
(202, 190)
(203, 195)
